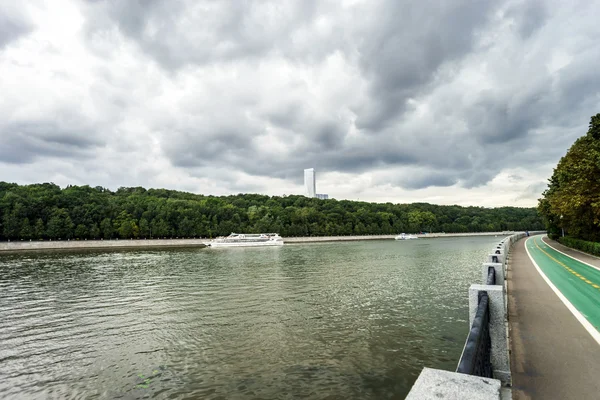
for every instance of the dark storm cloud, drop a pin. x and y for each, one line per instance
(13, 24)
(25, 142)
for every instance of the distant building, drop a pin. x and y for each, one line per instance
(322, 196)
(310, 182)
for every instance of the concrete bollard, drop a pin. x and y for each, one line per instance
(498, 268)
(499, 357)
(438, 384)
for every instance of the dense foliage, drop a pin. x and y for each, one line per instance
(583, 245)
(45, 211)
(572, 200)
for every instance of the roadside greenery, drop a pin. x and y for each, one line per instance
(572, 200)
(583, 245)
(45, 211)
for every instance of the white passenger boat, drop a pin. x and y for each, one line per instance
(247, 240)
(404, 236)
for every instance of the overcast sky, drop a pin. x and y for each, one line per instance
(447, 102)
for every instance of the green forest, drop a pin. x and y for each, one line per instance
(46, 211)
(572, 200)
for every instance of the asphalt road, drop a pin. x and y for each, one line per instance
(553, 356)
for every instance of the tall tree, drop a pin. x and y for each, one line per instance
(144, 228)
(11, 225)
(572, 200)
(26, 230)
(39, 231)
(60, 225)
(81, 231)
(94, 231)
(106, 228)
(96, 212)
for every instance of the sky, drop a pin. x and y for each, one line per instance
(468, 102)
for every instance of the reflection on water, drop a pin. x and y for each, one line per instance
(354, 320)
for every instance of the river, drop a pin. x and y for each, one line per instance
(354, 320)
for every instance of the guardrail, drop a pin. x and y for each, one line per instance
(491, 278)
(476, 357)
(484, 366)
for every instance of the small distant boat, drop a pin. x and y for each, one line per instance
(247, 240)
(404, 236)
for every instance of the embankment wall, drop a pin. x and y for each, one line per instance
(383, 237)
(143, 243)
(99, 244)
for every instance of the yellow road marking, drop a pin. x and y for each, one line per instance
(583, 278)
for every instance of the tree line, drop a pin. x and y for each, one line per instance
(572, 200)
(46, 211)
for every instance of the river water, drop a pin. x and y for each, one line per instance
(354, 320)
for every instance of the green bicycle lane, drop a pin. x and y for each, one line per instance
(578, 282)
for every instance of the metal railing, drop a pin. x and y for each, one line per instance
(491, 276)
(476, 357)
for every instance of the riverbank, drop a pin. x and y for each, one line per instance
(314, 239)
(99, 244)
(155, 243)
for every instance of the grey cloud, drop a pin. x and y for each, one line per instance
(533, 191)
(525, 114)
(179, 33)
(401, 58)
(529, 16)
(25, 142)
(322, 132)
(564, 99)
(229, 148)
(515, 178)
(399, 47)
(407, 43)
(495, 120)
(427, 178)
(13, 24)
(237, 151)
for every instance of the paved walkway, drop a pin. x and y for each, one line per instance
(552, 355)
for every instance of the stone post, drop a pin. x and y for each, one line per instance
(435, 384)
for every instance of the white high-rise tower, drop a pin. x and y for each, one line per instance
(310, 182)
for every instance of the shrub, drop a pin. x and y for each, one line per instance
(583, 245)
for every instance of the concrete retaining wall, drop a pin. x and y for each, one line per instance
(141, 243)
(99, 244)
(382, 237)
